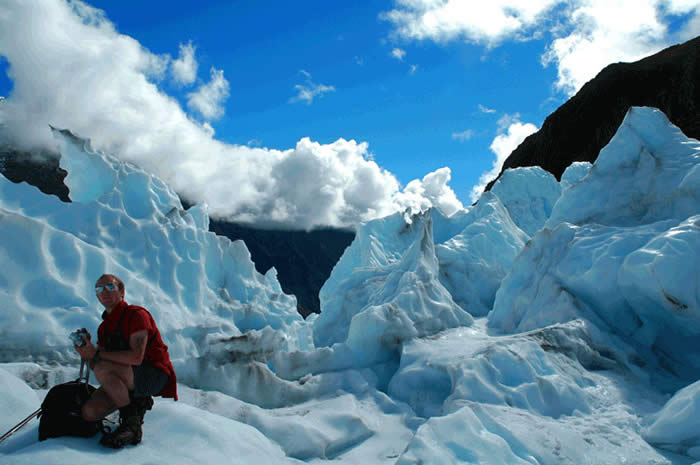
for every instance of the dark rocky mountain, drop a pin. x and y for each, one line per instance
(580, 128)
(303, 260)
(38, 169)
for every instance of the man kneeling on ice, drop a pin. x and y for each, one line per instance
(131, 362)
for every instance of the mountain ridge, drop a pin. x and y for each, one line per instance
(584, 124)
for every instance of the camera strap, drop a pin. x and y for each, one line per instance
(84, 367)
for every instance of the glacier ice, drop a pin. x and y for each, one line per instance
(676, 426)
(474, 262)
(529, 194)
(549, 323)
(648, 172)
(621, 249)
(200, 287)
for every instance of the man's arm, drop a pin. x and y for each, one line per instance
(133, 356)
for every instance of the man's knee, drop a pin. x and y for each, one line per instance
(90, 412)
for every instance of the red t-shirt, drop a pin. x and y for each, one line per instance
(137, 319)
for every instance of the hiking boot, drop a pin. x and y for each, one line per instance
(143, 404)
(129, 430)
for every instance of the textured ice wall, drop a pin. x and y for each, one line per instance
(676, 426)
(574, 173)
(529, 194)
(386, 289)
(474, 262)
(621, 248)
(648, 172)
(201, 288)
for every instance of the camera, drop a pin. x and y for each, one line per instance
(77, 337)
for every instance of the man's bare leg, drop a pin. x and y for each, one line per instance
(98, 406)
(116, 381)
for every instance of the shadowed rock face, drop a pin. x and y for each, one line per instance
(303, 259)
(40, 170)
(579, 129)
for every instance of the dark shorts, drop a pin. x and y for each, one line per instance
(148, 380)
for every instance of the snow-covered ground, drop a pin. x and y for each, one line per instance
(552, 323)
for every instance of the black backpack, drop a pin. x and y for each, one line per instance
(61, 410)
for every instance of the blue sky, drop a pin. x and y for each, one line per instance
(407, 118)
(419, 85)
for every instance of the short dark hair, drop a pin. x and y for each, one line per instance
(120, 283)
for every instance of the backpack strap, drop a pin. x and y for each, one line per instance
(118, 329)
(118, 333)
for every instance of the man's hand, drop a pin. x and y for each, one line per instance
(87, 352)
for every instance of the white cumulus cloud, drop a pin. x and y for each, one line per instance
(208, 99)
(109, 91)
(431, 191)
(481, 22)
(606, 32)
(584, 35)
(184, 69)
(512, 134)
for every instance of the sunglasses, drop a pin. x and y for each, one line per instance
(108, 287)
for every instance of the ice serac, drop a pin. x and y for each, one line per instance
(675, 427)
(407, 300)
(529, 194)
(574, 173)
(620, 250)
(200, 287)
(474, 262)
(386, 288)
(475, 259)
(650, 171)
